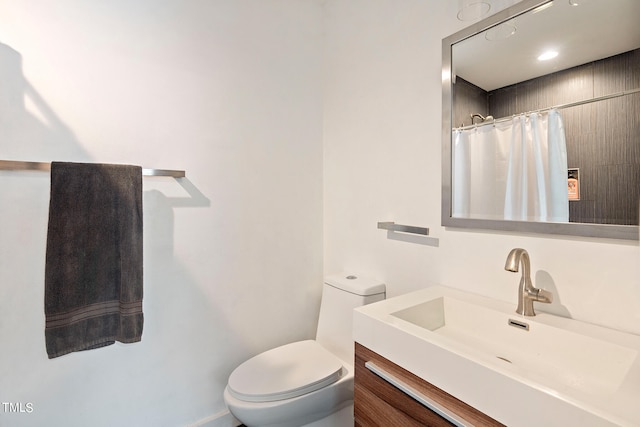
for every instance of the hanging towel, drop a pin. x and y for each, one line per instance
(93, 272)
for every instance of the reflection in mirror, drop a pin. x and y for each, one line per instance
(549, 145)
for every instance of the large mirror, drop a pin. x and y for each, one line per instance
(544, 146)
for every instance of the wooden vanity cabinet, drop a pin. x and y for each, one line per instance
(377, 402)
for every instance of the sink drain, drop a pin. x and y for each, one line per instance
(504, 358)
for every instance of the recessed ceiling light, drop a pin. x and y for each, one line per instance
(502, 31)
(550, 54)
(474, 10)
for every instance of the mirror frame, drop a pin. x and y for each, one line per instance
(612, 231)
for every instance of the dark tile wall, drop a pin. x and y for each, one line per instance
(468, 99)
(603, 137)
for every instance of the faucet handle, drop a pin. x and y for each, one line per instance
(542, 295)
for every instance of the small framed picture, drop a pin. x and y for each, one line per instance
(574, 184)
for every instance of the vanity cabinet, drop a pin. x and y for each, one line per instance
(389, 402)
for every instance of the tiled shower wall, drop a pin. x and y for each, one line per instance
(603, 137)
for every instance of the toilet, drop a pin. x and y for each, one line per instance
(306, 383)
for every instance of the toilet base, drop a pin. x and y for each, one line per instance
(341, 418)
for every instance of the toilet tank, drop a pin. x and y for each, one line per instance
(342, 293)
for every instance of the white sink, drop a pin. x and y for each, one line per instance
(542, 370)
(536, 349)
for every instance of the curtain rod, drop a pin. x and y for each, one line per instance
(557, 107)
(15, 165)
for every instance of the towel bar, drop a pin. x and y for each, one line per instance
(14, 165)
(392, 226)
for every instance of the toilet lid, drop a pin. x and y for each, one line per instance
(285, 372)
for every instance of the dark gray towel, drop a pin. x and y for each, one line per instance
(93, 272)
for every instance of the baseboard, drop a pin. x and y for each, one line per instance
(221, 419)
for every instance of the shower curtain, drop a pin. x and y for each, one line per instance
(513, 170)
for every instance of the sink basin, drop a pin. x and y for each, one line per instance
(522, 371)
(537, 350)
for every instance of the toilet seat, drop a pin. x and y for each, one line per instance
(285, 372)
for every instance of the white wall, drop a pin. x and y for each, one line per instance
(232, 91)
(382, 133)
(229, 91)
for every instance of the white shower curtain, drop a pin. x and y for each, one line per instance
(514, 170)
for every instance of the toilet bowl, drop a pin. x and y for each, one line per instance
(306, 383)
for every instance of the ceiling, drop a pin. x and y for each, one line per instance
(594, 29)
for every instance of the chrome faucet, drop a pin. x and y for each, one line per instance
(527, 294)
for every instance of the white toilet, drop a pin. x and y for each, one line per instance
(306, 383)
